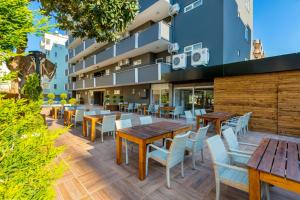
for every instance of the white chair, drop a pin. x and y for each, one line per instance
(149, 110)
(107, 125)
(177, 112)
(126, 116)
(195, 143)
(203, 111)
(104, 112)
(136, 106)
(124, 124)
(233, 144)
(198, 112)
(146, 120)
(98, 111)
(171, 157)
(130, 107)
(225, 171)
(236, 125)
(78, 116)
(156, 110)
(189, 117)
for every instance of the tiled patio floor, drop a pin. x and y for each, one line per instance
(93, 174)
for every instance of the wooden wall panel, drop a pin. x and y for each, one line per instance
(273, 98)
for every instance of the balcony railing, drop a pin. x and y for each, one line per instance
(126, 45)
(106, 54)
(79, 66)
(139, 75)
(90, 61)
(79, 48)
(89, 42)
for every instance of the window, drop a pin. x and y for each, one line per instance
(246, 33)
(98, 74)
(159, 60)
(55, 86)
(188, 49)
(137, 62)
(66, 86)
(193, 5)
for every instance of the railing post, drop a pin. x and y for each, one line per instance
(94, 82)
(73, 68)
(115, 50)
(159, 71)
(73, 86)
(114, 79)
(136, 40)
(84, 45)
(83, 64)
(159, 30)
(136, 75)
(83, 83)
(95, 59)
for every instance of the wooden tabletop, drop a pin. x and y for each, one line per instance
(167, 108)
(216, 115)
(277, 157)
(148, 131)
(90, 117)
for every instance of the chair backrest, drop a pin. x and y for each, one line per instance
(188, 114)
(103, 112)
(98, 111)
(126, 116)
(137, 105)
(146, 120)
(217, 150)
(239, 125)
(203, 111)
(198, 112)
(79, 115)
(230, 138)
(108, 123)
(248, 116)
(177, 110)
(126, 123)
(177, 149)
(130, 106)
(156, 107)
(90, 113)
(200, 137)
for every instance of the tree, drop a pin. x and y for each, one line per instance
(32, 88)
(103, 20)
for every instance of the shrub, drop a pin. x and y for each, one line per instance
(51, 96)
(72, 101)
(27, 152)
(63, 101)
(121, 99)
(32, 88)
(63, 96)
(50, 101)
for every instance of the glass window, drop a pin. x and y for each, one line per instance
(188, 8)
(155, 96)
(55, 54)
(55, 86)
(159, 60)
(164, 98)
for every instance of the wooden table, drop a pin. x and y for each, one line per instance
(93, 119)
(146, 134)
(275, 162)
(68, 116)
(216, 117)
(166, 110)
(55, 110)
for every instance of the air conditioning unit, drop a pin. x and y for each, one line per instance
(200, 57)
(173, 47)
(174, 9)
(179, 61)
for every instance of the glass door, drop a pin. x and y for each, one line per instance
(203, 98)
(184, 97)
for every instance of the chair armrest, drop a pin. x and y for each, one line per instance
(241, 152)
(248, 144)
(157, 148)
(165, 142)
(231, 167)
(239, 155)
(192, 140)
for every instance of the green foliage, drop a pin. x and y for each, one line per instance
(50, 101)
(63, 101)
(28, 164)
(103, 20)
(72, 101)
(107, 99)
(16, 22)
(114, 99)
(121, 99)
(51, 96)
(32, 88)
(63, 96)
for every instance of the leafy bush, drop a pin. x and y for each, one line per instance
(32, 88)
(63, 101)
(51, 96)
(50, 101)
(72, 101)
(27, 152)
(63, 96)
(121, 99)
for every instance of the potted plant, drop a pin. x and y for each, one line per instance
(63, 97)
(51, 98)
(121, 99)
(72, 101)
(114, 99)
(107, 100)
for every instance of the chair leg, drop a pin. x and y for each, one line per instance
(168, 177)
(194, 160)
(101, 136)
(202, 155)
(126, 150)
(147, 160)
(114, 134)
(217, 190)
(182, 170)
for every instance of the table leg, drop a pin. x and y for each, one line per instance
(84, 127)
(218, 126)
(93, 130)
(197, 122)
(142, 160)
(118, 149)
(69, 119)
(254, 185)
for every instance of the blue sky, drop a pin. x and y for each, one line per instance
(276, 23)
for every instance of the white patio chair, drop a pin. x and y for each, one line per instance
(203, 111)
(156, 110)
(146, 120)
(78, 117)
(225, 172)
(107, 125)
(195, 142)
(150, 109)
(233, 144)
(189, 117)
(171, 157)
(126, 116)
(130, 107)
(124, 124)
(198, 112)
(237, 125)
(98, 111)
(104, 112)
(177, 112)
(136, 107)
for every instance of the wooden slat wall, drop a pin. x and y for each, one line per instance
(273, 98)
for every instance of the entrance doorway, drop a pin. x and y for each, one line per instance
(99, 98)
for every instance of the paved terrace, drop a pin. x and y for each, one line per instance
(93, 173)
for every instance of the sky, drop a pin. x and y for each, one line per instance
(276, 23)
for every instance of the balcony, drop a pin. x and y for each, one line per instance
(139, 75)
(155, 39)
(89, 43)
(79, 48)
(79, 66)
(71, 86)
(73, 42)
